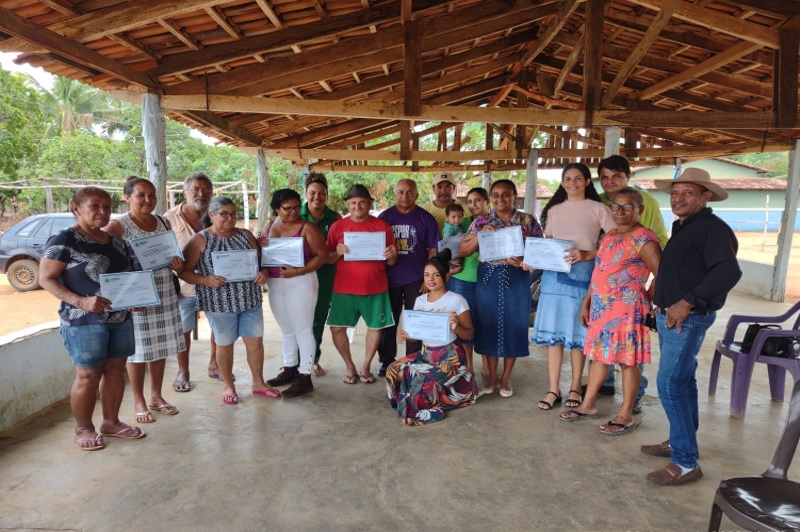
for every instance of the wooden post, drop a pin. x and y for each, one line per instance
(486, 181)
(531, 169)
(50, 205)
(612, 141)
(788, 220)
(155, 146)
(246, 205)
(262, 207)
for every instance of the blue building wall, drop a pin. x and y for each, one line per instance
(744, 219)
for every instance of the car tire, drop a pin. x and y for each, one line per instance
(23, 275)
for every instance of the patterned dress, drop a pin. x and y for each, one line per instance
(158, 329)
(619, 304)
(235, 297)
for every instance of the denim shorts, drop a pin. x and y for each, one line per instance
(228, 326)
(89, 346)
(188, 308)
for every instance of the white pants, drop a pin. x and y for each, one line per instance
(292, 302)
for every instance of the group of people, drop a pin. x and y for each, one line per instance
(623, 279)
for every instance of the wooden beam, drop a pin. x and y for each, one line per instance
(785, 78)
(543, 40)
(217, 122)
(271, 14)
(412, 55)
(713, 63)
(381, 111)
(44, 38)
(175, 30)
(593, 57)
(639, 51)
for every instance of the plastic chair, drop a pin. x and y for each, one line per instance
(768, 502)
(743, 363)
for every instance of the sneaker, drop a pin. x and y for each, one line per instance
(637, 406)
(301, 386)
(382, 367)
(287, 375)
(607, 390)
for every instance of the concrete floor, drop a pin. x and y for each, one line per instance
(339, 459)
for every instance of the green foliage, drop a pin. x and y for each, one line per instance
(21, 124)
(777, 163)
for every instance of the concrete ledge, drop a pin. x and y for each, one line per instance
(756, 278)
(36, 372)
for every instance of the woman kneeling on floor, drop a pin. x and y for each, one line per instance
(423, 385)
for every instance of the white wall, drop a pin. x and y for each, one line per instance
(756, 278)
(35, 372)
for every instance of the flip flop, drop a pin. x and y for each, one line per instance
(145, 417)
(166, 409)
(125, 433)
(218, 376)
(230, 398)
(350, 379)
(182, 386)
(270, 393)
(97, 441)
(625, 428)
(574, 415)
(574, 403)
(367, 378)
(319, 371)
(545, 405)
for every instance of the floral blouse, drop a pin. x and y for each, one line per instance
(528, 222)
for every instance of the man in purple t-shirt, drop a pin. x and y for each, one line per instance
(417, 236)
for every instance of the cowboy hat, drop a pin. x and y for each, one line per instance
(358, 191)
(697, 177)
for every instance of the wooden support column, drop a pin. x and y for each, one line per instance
(412, 51)
(531, 170)
(612, 141)
(405, 139)
(262, 206)
(155, 146)
(631, 138)
(593, 59)
(788, 220)
(785, 78)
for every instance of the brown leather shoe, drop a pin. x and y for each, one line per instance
(662, 450)
(670, 475)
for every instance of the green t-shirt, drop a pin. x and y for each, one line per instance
(470, 271)
(650, 218)
(327, 272)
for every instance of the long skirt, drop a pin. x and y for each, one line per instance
(558, 313)
(502, 311)
(424, 385)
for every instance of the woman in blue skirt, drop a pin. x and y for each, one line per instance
(503, 289)
(574, 213)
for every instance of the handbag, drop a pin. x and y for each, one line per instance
(776, 346)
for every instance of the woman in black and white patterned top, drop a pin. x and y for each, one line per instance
(233, 308)
(98, 340)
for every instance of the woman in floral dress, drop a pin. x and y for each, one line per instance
(423, 385)
(615, 309)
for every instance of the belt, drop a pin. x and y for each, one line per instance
(693, 312)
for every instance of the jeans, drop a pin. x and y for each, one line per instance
(642, 383)
(399, 297)
(677, 385)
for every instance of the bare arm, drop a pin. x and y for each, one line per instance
(651, 256)
(192, 252)
(115, 228)
(49, 272)
(319, 253)
(469, 245)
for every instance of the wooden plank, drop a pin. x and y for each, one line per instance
(270, 13)
(412, 55)
(713, 63)
(543, 40)
(221, 124)
(716, 21)
(593, 57)
(44, 38)
(785, 78)
(639, 51)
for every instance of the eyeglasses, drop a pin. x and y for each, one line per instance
(227, 214)
(628, 207)
(290, 208)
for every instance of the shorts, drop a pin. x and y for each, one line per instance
(228, 326)
(346, 309)
(91, 345)
(188, 308)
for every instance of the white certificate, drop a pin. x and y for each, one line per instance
(501, 244)
(156, 251)
(451, 243)
(433, 328)
(129, 289)
(547, 254)
(365, 246)
(283, 252)
(237, 265)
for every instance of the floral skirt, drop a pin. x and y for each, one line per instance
(424, 385)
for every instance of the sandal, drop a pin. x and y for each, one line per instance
(230, 398)
(574, 403)
(574, 415)
(165, 408)
(350, 379)
(96, 443)
(544, 405)
(182, 386)
(269, 393)
(367, 378)
(145, 417)
(319, 371)
(623, 428)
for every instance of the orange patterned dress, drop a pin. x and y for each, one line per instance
(619, 303)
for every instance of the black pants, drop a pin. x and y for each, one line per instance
(399, 297)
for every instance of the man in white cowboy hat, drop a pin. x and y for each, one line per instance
(698, 268)
(444, 188)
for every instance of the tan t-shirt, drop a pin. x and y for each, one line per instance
(183, 231)
(437, 212)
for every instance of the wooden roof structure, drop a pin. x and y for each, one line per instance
(359, 85)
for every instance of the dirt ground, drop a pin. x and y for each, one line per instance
(22, 310)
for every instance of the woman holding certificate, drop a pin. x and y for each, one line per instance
(422, 386)
(574, 213)
(503, 287)
(293, 291)
(615, 310)
(223, 261)
(158, 330)
(98, 339)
